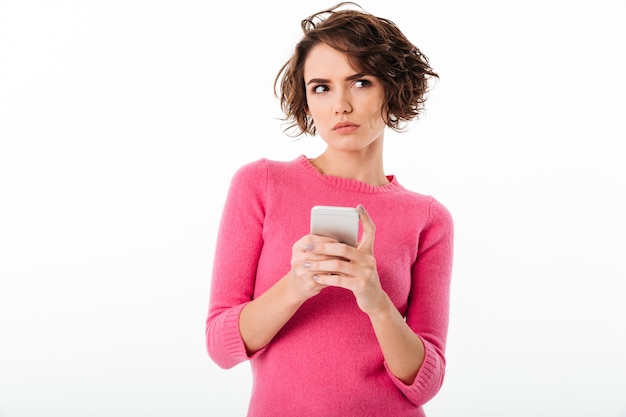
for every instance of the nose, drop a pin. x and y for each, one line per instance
(342, 103)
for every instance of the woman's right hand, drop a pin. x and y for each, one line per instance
(300, 277)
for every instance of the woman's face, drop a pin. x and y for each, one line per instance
(345, 105)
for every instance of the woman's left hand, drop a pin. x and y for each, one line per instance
(352, 268)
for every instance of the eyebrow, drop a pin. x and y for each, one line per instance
(353, 77)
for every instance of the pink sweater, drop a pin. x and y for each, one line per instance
(326, 361)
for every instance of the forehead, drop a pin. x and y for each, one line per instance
(324, 61)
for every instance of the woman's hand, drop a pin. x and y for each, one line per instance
(301, 277)
(330, 263)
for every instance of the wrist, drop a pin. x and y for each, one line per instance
(293, 296)
(383, 310)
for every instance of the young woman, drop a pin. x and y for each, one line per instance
(331, 329)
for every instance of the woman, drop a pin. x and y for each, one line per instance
(331, 329)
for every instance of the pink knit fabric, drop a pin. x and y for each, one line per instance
(326, 361)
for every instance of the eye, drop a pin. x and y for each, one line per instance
(362, 83)
(321, 88)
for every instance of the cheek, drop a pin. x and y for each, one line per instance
(376, 115)
(315, 111)
(373, 103)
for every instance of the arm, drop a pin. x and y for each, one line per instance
(238, 247)
(412, 348)
(402, 349)
(240, 324)
(428, 305)
(263, 317)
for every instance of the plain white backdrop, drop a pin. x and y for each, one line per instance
(121, 123)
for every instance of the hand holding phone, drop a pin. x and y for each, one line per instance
(340, 223)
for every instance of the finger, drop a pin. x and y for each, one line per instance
(369, 230)
(355, 285)
(331, 280)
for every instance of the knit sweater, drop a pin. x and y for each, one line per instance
(326, 361)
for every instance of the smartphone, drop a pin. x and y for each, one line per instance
(340, 223)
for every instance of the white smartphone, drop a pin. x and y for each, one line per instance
(340, 223)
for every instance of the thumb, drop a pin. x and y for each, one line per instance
(369, 230)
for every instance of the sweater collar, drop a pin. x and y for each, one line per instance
(348, 183)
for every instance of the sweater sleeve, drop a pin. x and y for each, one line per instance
(239, 243)
(428, 307)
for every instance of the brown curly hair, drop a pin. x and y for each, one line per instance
(373, 45)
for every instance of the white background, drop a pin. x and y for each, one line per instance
(121, 123)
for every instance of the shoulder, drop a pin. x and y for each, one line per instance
(439, 213)
(264, 164)
(415, 198)
(251, 175)
(263, 168)
(262, 173)
(251, 168)
(426, 206)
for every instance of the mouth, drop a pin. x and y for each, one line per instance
(345, 126)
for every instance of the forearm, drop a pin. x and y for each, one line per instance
(261, 319)
(401, 347)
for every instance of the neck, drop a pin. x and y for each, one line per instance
(362, 166)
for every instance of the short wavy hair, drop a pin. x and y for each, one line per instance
(373, 45)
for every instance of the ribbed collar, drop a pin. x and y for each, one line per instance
(348, 183)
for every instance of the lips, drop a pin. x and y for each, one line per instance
(342, 126)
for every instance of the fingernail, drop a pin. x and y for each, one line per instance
(306, 264)
(308, 246)
(316, 278)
